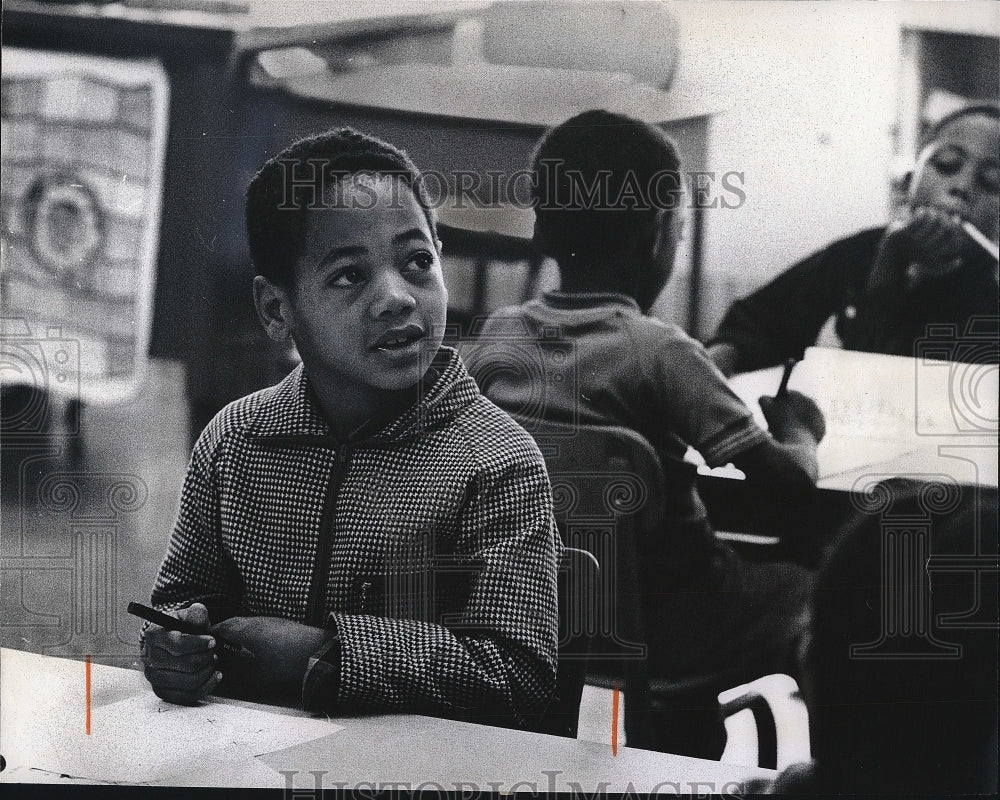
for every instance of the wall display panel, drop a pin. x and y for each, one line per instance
(83, 150)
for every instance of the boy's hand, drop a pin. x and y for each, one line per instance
(181, 667)
(794, 412)
(919, 244)
(281, 647)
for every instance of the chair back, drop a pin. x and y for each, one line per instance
(608, 491)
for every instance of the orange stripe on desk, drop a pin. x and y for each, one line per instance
(614, 721)
(87, 694)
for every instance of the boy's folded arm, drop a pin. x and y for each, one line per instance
(496, 656)
(784, 317)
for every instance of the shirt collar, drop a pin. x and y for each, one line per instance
(571, 301)
(288, 411)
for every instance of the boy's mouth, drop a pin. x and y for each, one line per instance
(398, 339)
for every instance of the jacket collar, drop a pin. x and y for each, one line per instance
(288, 412)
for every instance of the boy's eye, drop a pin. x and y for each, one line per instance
(350, 276)
(947, 161)
(421, 261)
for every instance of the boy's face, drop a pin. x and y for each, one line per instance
(367, 311)
(959, 172)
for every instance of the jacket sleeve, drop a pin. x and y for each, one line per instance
(783, 318)
(195, 568)
(495, 659)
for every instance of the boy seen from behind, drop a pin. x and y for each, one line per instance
(615, 242)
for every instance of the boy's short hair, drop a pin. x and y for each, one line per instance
(284, 189)
(611, 173)
(907, 717)
(974, 110)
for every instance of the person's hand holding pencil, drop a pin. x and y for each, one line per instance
(789, 413)
(926, 242)
(180, 660)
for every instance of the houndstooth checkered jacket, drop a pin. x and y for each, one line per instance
(430, 546)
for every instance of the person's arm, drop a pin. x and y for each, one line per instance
(781, 319)
(192, 582)
(497, 656)
(788, 456)
(696, 403)
(921, 266)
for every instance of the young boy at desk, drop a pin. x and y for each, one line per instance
(615, 249)
(375, 531)
(885, 286)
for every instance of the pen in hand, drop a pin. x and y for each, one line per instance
(783, 386)
(183, 626)
(982, 240)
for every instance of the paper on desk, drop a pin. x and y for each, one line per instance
(878, 408)
(143, 739)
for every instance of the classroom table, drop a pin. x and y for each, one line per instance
(886, 417)
(47, 707)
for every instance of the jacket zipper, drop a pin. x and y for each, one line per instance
(316, 609)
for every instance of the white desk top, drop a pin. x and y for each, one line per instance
(889, 416)
(42, 734)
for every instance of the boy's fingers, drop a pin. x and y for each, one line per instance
(196, 613)
(209, 685)
(174, 681)
(193, 662)
(182, 644)
(186, 697)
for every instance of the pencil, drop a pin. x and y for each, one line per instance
(165, 620)
(981, 239)
(783, 387)
(183, 626)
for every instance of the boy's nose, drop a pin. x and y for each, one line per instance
(392, 296)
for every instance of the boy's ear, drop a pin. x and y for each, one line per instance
(274, 308)
(665, 234)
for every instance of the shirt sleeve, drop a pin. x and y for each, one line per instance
(695, 402)
(783, 318)
(496, 659)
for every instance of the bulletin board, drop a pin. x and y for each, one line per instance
(84, 142)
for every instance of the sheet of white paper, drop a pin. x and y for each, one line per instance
(879, 409)
(140, 739)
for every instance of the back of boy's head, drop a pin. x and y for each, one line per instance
(289, 184)
(907, 718)
(599, 179)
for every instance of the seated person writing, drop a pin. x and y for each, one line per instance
(376, 532)
(906, 716)
(885, 286)
(615, 246)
